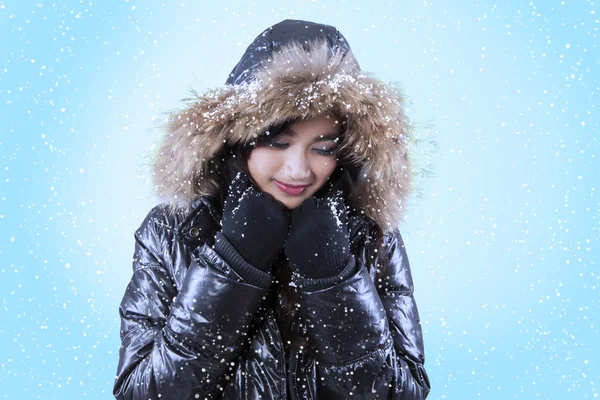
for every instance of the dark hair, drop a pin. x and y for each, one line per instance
(342, 178)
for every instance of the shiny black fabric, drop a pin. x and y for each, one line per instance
(191, 328)
(278, 35)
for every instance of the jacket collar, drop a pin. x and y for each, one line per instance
(201, 223)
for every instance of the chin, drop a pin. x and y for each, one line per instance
(290, 202)
(293, 203)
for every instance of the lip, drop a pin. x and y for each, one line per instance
(293, 190)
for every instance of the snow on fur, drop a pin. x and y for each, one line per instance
(294, 84)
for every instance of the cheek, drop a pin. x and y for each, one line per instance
(324, 168)
(262, 164)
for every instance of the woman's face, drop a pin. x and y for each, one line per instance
(296, 164)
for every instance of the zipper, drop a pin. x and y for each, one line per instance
(294, 360)
(279, 341)
(292, 369)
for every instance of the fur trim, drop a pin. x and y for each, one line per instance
(294, 83)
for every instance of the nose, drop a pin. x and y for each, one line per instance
(297, 166)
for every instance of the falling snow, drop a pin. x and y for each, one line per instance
(502, 232)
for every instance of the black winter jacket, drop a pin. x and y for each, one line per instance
(192, 328)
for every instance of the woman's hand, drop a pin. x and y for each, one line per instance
(318, 244)
(254, 223)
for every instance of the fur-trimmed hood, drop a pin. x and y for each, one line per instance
(297, 78)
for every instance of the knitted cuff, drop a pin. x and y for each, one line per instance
(247, 271)
(311, 285)
(258, 253)
(321, 265)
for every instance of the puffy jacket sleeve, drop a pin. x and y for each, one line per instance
(366, 335)
(179, 343)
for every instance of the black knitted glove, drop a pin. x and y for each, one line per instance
(318, 244)
(253, 223)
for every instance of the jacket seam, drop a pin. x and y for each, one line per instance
(246, 380)
(398, 292)
(194, 212)
(134, 330)
(156, 223)
(360, 358)
(295, 375)
(226, 271)
(284, 366)
(150, 265)
(182, 339)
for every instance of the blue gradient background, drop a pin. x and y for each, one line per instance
(502, 234)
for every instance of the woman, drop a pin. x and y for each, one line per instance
(275, 269)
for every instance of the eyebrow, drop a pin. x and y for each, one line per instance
(321, 138)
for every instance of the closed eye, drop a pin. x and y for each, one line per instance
(279, 145)
(323, 151)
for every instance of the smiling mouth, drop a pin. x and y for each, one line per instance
(293, 190)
